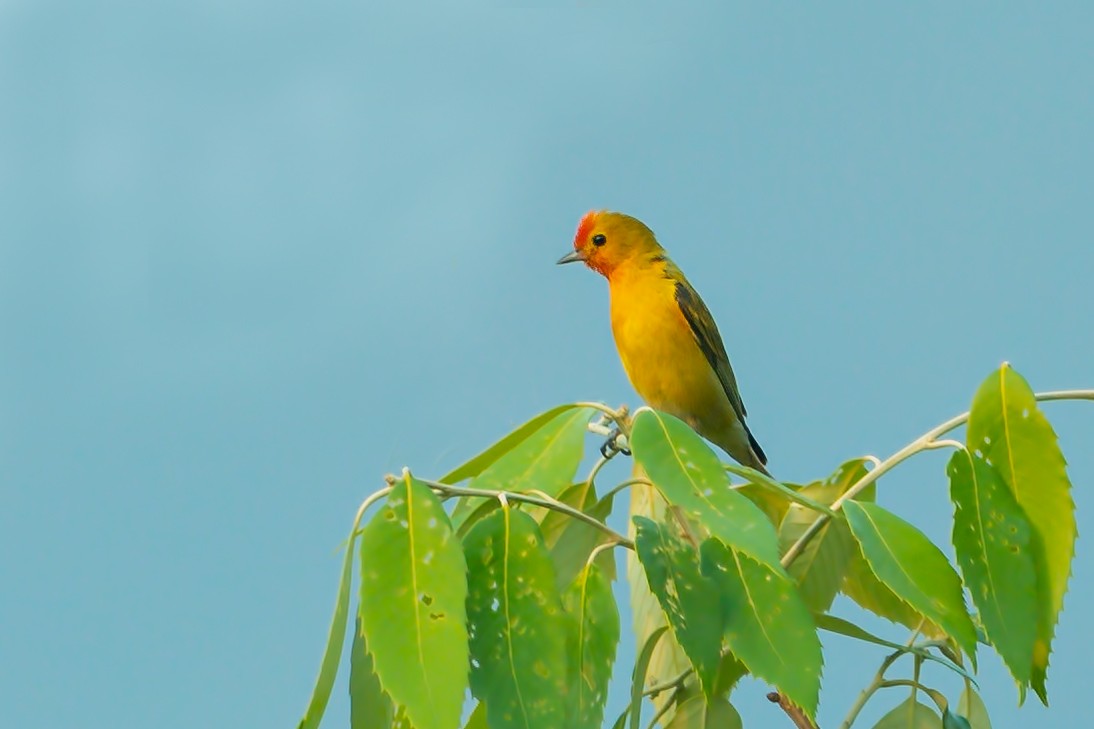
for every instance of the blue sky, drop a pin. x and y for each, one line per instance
(251, 259)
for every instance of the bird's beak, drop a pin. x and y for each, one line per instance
(571, 257)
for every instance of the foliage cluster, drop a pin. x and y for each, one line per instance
(508, 592)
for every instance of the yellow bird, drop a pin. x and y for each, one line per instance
(666, 337)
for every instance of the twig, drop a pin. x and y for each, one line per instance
(547, 503)
(795, 713)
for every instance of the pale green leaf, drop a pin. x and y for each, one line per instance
(544, 458)
(479, 463)
(699, 712)
(690, 476)
(477, 720)
(913, 568)
(971, 706)
(369, 706)
(994, 544)
(820, 568)
(413, 593)
(515, 615)
(689, 599)
(581, 496)
(638, 675)
(594, 639)
(768, 627)
(910, 715)
(1012, 434)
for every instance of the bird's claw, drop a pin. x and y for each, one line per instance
(611, 446)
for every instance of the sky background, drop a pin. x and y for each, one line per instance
(252, 259)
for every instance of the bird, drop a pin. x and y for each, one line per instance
(668, 342)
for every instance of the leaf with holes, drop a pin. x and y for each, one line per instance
(689, 599)
(820, 568)
(413, 589)
(518, 661)
(690, 476)
(369, 706)
(910, 714)
(995, 550)
(1008, 429)
(699, 712)
(593, 641)
(971, 706)
(913, 568)
(767, 625)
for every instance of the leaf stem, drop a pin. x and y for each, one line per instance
(677, 682)
(548, 503)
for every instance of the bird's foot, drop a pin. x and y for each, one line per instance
(611, 446)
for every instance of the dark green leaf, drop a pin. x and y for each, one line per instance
(690, 601)
(820, 568)
(994, 548)
(971, 706)
(518, 659)
(699, 712)
(951, 720)
(768, 627)
(1008, 429)
(910, 715)
(369, 706)
(690, 476)
(913, 568)
(413, 592)
(730, 671)
(595, 637)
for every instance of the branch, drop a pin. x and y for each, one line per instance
(547, 503)
(927, 441)
(796, 714)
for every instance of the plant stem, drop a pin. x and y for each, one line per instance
(547, 503)
(796, 714)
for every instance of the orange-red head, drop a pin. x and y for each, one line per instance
(607, 240)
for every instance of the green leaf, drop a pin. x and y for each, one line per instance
(590, 601)
(832, 624)
(768, 627)
(913, 568)
(413, 590)
(477, 720)
(577, 541)
(1008, 429)
(995, 550)
(861, 585)
(910, 715)
(971, 706)
(336, 637)
(544, 459)
(369, 706)
(479, 463)
(771, 503)
(689, 599)
(638, 676)
(581, 496)
(820, 568)
(690, 476)
(730, 672)
(518, 659)
(699, 712)
(951, 720)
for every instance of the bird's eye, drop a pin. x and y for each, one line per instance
(599, 239)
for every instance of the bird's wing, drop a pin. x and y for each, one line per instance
(709, 340)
